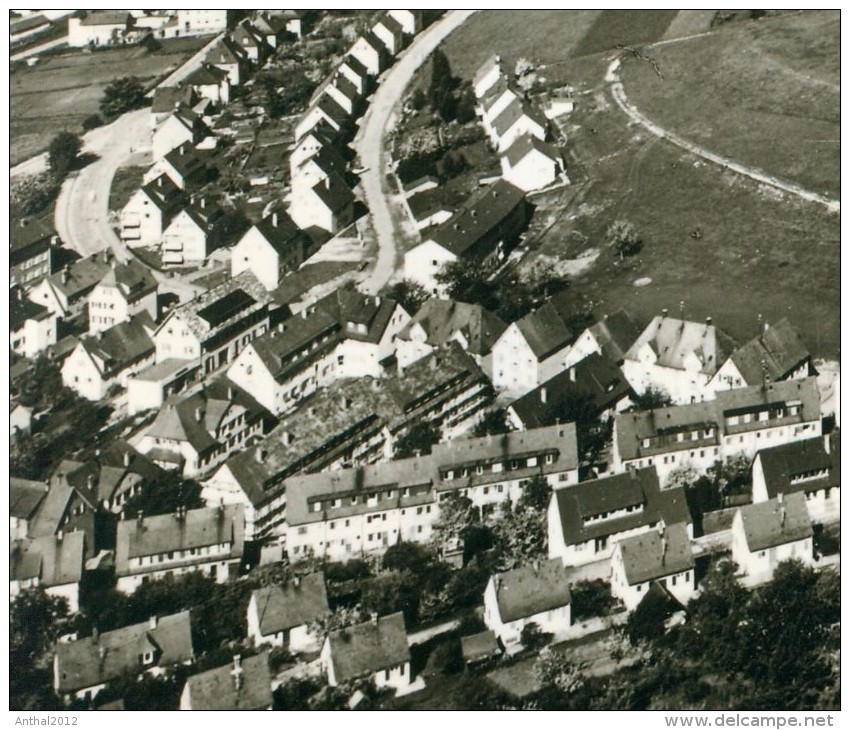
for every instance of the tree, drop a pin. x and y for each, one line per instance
(624, 239)
(418, 440)
(418, 100)
(590, 598)
(410, 295)
(554, 669)
(441, 86)
(409, 556)
(122, 95)
(33, 623)
(457, 515)
(535, 494)
(92, 121)
(466, 282)
(520, 537)
(62, 153)
(465, 107)
(533, 637)
(493, 423)
(652, 398)
(683, 476)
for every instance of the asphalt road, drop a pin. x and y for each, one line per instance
(369, 142)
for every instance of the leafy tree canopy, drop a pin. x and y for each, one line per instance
(122, 95)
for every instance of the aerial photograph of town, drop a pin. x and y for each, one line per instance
(421, 360)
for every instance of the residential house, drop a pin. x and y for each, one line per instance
(68, 507)
(487, 75)
(282, 615)
(430, 207)
(182, 127)
(149, 211)
(496, 100)
(66, 292)
(187, 167)
(25, 497)
(370, 52)
(768, 533)
(99, 28)
(32, 245)
(83, 667)
(594, 385)
(440, 321)
(356, 72)
(150, 387)
(586, 521)
(271, 249)
(206, 22)
(275, 28)
(532, 594)
(32, 327)
(611, 337)
(328, 205)
(531, 351)
(244, 685)
(376, 649)
(109, 357)
(214, 327)
(344, 335)
(326, 110)
(482, 232)
(168, 98)
(20, 419)
(531, 164)
(210, 82)
(231, 58)
(321, 135)
(208, 540)
(27, 27)
(410, 20)
(478, 649)
(777, 353)
(516, 120)
(811, 466)
(390, 32)
(251, 41)
(52, 562)
(317, 168)
(663, 556)
(195, 432)
(196, 231)
(344, 92)
(698, 435)
(678, 357)
(127, 290)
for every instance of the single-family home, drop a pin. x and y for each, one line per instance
(244, 685)
(83, 667)
(275, 28)
(325, 110)
(195, 432)
(390, 32)
(283, 615)
(196, 231)
(99, 28)
(208, 540)
(251, 41)
(230, 58)
(496, 100)
(210, 82)
(478, 649)
(328, 205)
(66, 292)
(532, 594)
(52, 562)
(32, 327)
(611, 337)
(678, 357)
(356, 72)
(25, 497)
(585, 521)
(376, 649)
(206, 22)
(319, 136)
(32, 247)
(187, 167)
(411, 20)
(811, 466)
(768, 533)
(317, 168)
(370, 52)
(530, 164)
(182, 127)
(168, 98)
(344, 92)
(487, 75)
(150, 387)
(663, 555)
(430, 207)
(149, 211)
(516, 120)
(127, 290)
(483, 232)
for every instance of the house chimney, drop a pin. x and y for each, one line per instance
(260, 455)
(274, 219)
(826, 444)
(140, 518)
(572, 375)
(60, 535)
(327, 183)
(708, 321)
(374, 617)
(287, 438)
(90, 481)
(159, 181)
(237, 672)
(543, 394)
(229, 392)
(663, 549)
(126, 458)
(198, 413)
(664, 312)
(780, 498)
(203, 202)
(152, 621)
(65, 273)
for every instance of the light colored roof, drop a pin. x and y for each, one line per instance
(485, 68)
(776, 522)
(369, 647)
(525, 592)
(106, 17)
(479, 646)
(298, 603)
(219, 689)
(515, 111)
(652, 555)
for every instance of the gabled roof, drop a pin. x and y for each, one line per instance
(132, 279)
(594, 377)
(164, 193)
(106, 17)
(513, 112)
(544, 331)
(776, 522)
(495, 61)
(188, 161)
(779, 348)
(27, 23)
(363, 649)
(196, 528)
(244, 32)
(391, 24)
(502, 85)
(82, 276)
(167, 98)
(95, 660)
(22, 309)
(346, 86)
(121, 345)
(53, 509)
(674, 340)
(334, 193)
(442, 319)
(790, 467)
(525, 145)
(298, 603)
(652, 555)
(328, 159)
(279, 230)
(331, 108)
(219, 689)
(225, 52)
(530, 590)
(428, 202)
(206, 75)
(478, 647)
(206, 213)
(372, 40)
(24, 497)
(637, 490)
(25, 232)
(355, 65)
(615, 333)
(52, 559)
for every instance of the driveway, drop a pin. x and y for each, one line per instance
(369, 143)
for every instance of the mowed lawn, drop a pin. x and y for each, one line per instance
(60, 91)
(765, 93)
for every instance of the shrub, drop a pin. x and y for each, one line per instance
(92, 121)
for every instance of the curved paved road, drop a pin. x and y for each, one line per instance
(618, 92)
(369, 143)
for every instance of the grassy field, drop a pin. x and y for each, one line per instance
(724, 245)
(769, 94)
(60, 91)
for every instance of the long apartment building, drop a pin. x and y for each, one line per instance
(354, 512)
(697, 435)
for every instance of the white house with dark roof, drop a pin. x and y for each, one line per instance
(487, 75)
(376, 649)
(344, 92)
(586, 521)
(99, 28)
(697, 435)
(66, 292)
(205, 21)
(52, 562)
(678, 357)
(208, 540)
(370, 52)
(531, 351)
(531, 164)
(390, 32)
(167, 98)
(811, 467)
(325, 110)
(25, 497)
(182, 127)
(32, 327)
(317, 168)
(767, 533)
(251, 41)
(109, 357)
(196, 231)
(271, 249)
(321, 135)
(150, 387)
(611, 337)
(210, 82)
(410, 20)
(328, 205)
(246, 684)
(516, 120)
(357, 73)
(663, 556)
(532, 594)
(231, 58)
(149, 211)
(496, 100)
(186, 166)
(127, 290)
(282, 615)
(83, 667)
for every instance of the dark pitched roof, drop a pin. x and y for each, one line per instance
(779, 348)
(776, 522)
(24, 497)
(54, 560)
(219, 689)
(133, 279)
(280, 231)
(81, 276)
(636, 491)
(442, 319)
(328, 159)
(27, 231)
(355, 65)
(91, 661)
(372, 40)
(532, 589)
(801, 466)
(616, 333)
(298, 603)
(481, 213)
(206, 75)
(331, 108)
(164, 193)
(651, 555)
(428, 202)
(121, 345)
(478, 647)
(369, 647)
(188, 161)
(525, 145)
(27, 23)
(166, 98)
(22, 309)
(334, 192)
(106, 17)
(53, 509)
(514, 111)
(594, 377)
(225, 52)
(545, 331)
